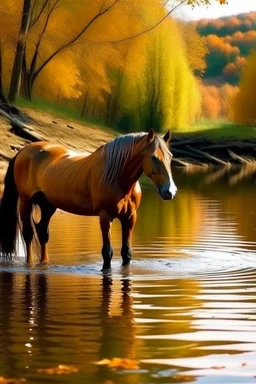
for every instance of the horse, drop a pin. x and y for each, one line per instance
(103, 183)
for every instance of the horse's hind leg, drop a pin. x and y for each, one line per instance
(42, 228)
(27, 229)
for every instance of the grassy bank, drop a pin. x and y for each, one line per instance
(57, 110)
(217, 129)
(213, 129)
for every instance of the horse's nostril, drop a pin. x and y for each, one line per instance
(167, 194)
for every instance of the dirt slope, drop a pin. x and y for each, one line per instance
(74, 135)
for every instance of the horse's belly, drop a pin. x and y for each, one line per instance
(77, 209)
(73, 203)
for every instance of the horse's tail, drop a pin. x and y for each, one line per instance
(9, 214)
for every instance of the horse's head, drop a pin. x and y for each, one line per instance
(157, 164)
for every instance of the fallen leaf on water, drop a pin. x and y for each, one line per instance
(59, 370)
(182, 378)
(244, 364)
(117, 362)
(5, 380)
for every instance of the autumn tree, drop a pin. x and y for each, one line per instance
(244, 106)
(159, 88)
(17, 65)
(217, 101)
(43, 13)
(195, 47)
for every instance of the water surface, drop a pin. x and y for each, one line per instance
(185, 309)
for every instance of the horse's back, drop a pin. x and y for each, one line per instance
(55, 171)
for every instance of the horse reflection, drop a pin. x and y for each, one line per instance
(24, 311)
(8, 360)
(117, 321)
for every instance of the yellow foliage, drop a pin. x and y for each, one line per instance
(160, 89)
(244, 105)
(195, 47)
(9, 21)
(65, 84)
(148, 78)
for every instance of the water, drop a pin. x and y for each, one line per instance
(185, 309)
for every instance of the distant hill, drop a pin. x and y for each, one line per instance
(229, 40)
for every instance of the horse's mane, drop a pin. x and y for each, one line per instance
(118, 151)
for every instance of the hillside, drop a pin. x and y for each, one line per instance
(230, 41)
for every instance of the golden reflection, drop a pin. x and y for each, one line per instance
(75, 321)
(244, 172)
(176, 222)
(217, 174)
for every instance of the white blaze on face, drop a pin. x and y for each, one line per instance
(172, 187)
(167, 161)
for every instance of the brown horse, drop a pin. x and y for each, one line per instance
(104, 183)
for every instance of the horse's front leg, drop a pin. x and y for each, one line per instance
(107, 251)
(128, 224)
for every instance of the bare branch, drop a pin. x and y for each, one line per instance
(33, 61)
(182, 2)
(75, 38)
(34, 21)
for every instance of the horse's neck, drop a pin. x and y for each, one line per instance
(134, 168)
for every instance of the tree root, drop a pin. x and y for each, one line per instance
(19, 128)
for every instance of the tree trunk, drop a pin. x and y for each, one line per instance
(2, 97)
(17, 65)
(84, 104)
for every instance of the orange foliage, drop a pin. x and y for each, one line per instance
(117, 362)
(244, 104)
(195, 47)
(218, 43)
(239, 22)
(234, 70)
(247, 38)
(217, 101)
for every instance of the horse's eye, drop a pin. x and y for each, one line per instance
(154, 158)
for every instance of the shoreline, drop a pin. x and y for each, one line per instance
(191, 150)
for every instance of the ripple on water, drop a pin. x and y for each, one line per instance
(185, 308)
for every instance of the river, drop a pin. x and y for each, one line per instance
(185, 309)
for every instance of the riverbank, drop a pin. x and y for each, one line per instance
(74, 134)
(200, 150)
(211, 145)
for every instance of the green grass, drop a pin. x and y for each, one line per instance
(217, 129)
(58, 110)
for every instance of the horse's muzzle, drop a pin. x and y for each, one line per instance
(166, 194)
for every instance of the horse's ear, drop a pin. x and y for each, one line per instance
(167, 137)
(151, 135)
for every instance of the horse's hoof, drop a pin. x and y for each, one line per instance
(106, 268)
(43, 263)
(126, 262)
(28, 265)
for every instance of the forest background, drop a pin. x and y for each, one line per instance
(129, 65)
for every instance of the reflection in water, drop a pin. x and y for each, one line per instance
(185, 307)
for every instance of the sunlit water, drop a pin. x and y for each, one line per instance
(185, 309)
